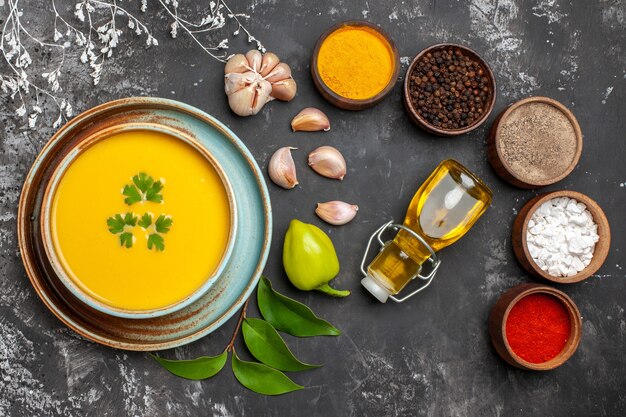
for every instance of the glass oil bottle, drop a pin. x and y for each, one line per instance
(444, 208)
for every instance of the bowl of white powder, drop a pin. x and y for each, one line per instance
(562, 236)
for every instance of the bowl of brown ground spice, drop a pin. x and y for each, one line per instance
(535, 142)
(449, 90)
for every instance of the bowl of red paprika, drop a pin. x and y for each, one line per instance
(535, 327)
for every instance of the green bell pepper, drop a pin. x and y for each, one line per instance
(310, 259)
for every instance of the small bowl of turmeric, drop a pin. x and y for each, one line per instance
(355, 64)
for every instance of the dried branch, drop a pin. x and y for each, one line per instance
(96, 35)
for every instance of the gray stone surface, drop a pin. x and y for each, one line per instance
(428, 357)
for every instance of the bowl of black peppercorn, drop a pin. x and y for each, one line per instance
(449, 90)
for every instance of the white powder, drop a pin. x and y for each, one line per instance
(561, 236)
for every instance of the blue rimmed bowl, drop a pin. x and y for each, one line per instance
(241, 271)
(65, 277)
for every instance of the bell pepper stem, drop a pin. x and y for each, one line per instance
(325, 288)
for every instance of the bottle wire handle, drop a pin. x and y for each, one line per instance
(433, 259)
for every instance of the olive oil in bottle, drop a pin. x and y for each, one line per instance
(444, 208)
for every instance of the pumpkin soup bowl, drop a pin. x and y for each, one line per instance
(137, 278)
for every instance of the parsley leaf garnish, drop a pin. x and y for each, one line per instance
(146, 220)
(132, 195)
(155, 240)
(126, 239)
(119, 222)
(143, 188)
(154, 192)
(163, 224)
(130, 219)
(143, 181)
(116, 224)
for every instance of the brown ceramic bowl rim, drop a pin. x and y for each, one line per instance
(575, 333)
(424, 122)
(395, 60)
(600, 251)
(559, 106)
(46, 218)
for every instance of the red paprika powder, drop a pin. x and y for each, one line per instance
(537, 327)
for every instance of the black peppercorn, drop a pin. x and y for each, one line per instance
(449, 89)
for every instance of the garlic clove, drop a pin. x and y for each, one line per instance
(310, 119)
(234, 81)
(336, 212)
(279, 73)
(253, 89)
(328, 162)
(254, 58)
(284, 90)
(282, 169)
(242, 101)
(237, 63)
(263, 91)
(268, 63)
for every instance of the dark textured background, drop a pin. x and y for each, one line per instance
(430, 356)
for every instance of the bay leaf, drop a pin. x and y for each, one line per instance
(195, 369)
(267, 346)
(289, 315)
(261, 378)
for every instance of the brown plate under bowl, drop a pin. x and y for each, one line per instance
(229, 291)
(497, 326)
(421, 121)
(521, 178)
(344, 102)
(520, 228)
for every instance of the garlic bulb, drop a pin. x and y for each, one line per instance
(282, 169)
(328, 162)
(336, 212)
(310, 119)
(253, 79)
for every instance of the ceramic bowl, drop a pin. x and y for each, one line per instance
(421, 121)
(500, 313)
(520, 229)
(494, 145)
(46, 227)
(231, 288)
(348, 103)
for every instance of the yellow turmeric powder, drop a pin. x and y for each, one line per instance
(355, 62)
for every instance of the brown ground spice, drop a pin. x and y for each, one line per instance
(537, 142)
